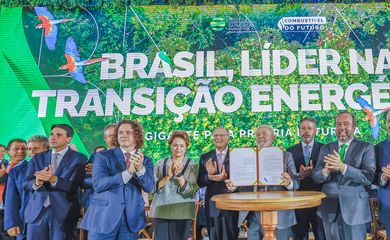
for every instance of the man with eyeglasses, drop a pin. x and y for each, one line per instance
(213, 171)
(346, 167)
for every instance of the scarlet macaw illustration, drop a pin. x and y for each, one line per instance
(372, 115)
(49, 26)
(74, 65)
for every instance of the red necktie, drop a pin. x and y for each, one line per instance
(128, 157)
(12, 165)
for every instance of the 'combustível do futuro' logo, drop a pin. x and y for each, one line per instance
(302, 24)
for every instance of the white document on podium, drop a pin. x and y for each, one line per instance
(243, 166)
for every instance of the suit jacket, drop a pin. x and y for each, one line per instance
(286, 218)
(113, 198)
(212, 187)
(307, 183)
(349, 191)
(4, 179)
(64, 201)
(382, 151)
(87, 186)
(16, 199)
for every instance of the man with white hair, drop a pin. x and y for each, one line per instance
(265, 137)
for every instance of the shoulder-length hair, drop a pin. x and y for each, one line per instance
(138, 132)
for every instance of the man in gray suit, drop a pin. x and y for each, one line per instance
(346, 168)
(286, 218)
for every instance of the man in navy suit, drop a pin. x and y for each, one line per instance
(16, 197)
(116, 209)
(305, 155)
(52, 180)
(382, 151)
(16, 150)
(346, 167)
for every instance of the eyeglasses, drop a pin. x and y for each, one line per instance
(220, 135)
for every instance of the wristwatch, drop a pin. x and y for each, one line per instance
(178, 175)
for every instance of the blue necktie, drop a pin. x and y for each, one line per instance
(306, 154)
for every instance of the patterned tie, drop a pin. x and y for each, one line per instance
(55, 161)
(342, 151)
(306, 154)
(12, 165)
(128, 157)
(220, 161)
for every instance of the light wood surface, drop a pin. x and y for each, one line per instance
(268, 203)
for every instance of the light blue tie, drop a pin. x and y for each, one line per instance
(54, 163)
(306, 154)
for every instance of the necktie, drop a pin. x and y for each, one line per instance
(220, 161)
(55, 161)
(342, 151)
(306, 154)
(12, 165)
(128, 157)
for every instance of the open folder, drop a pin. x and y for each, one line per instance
(256, 166)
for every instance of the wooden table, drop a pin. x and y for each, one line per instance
(268, 203)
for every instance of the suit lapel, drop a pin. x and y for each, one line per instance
(47, 159)
(386, 153)
(214, 158)
(314, 152)
(120, 162)
(301, 157)
(351, 152)
(64, 161)
(226, 161)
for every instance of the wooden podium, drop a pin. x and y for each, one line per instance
(268, 203)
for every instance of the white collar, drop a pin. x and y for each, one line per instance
(224, 152)
(124, 151)
(311, 144)
(347, 143)
(62, 152)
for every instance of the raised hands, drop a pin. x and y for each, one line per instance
(386, 172)
(286, 179)
(230, 185)
(3, 170)
(333, 163)
(45, 175)
(88, 169)
(136, 162)
(305, 171)
(211, 167)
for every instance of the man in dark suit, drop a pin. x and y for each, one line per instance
(52, 180)
(305, 155)
(16, 197)
(213, 171)
(346, 168)
(116, 209)
(382, 151)
(108, 135)
(16, 150)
